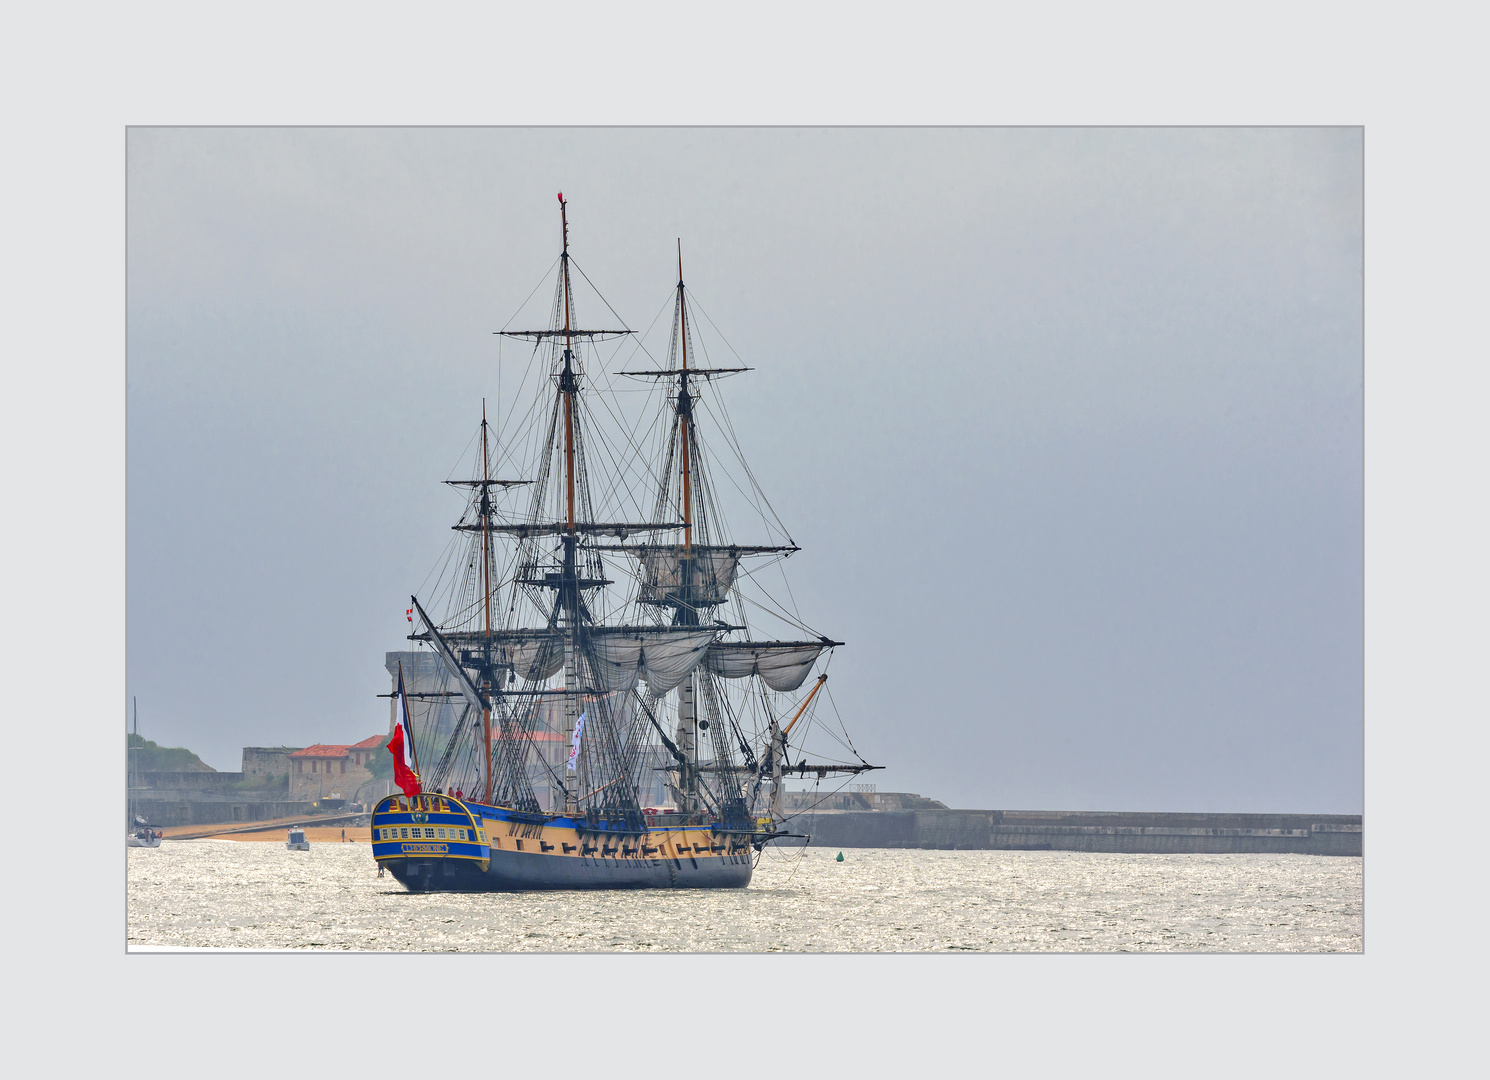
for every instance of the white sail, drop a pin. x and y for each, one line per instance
(615, 661)
(782, 665)
(535, 660)
(663, 658)
(668, 658)
(442, 647)
(714, 571)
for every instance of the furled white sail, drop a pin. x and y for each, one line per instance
(535, 660)
(782, 665)
(668, 658)
(714, 571)
(615, 661)
(664, 658)
(447, 657)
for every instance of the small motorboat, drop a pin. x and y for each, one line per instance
(297, 841)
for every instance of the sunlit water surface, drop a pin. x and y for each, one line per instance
(217, 893)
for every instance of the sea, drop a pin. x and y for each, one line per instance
(221, 894)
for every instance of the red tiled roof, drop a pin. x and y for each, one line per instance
(321, 750)
(338, 749)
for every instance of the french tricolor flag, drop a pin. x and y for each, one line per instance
(401, 745)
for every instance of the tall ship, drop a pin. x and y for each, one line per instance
(606, 694)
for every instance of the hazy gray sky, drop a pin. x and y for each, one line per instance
(1067, 422)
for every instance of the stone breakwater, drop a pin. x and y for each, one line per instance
(1035, 830)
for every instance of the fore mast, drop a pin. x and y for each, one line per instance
(694, 577)
(687, 613)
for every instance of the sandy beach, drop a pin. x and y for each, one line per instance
(276, 831)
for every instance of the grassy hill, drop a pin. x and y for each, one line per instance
(146, 756)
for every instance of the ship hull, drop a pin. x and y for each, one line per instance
(477, 848)
(512, 871)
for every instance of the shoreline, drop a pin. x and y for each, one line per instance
(270, 831)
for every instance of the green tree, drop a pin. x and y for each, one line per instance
(381, 762)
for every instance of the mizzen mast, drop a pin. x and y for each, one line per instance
(487, 685)
(486, 668)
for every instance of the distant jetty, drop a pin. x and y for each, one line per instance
(898, 820)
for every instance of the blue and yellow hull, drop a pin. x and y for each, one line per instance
(436, 843)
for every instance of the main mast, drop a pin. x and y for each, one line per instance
(568, 619)
(566, 379)
(569, 594)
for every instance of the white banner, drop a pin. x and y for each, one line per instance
(579, 726)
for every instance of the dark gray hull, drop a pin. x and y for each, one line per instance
(516, 871)
(433, 843)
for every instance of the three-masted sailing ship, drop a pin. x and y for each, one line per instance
(603, 715)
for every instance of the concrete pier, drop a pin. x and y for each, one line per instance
(1058, 830)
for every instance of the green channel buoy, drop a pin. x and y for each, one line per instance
(840, 856)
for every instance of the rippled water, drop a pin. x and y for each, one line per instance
(262, 896)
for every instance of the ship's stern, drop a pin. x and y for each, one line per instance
(429, 842)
